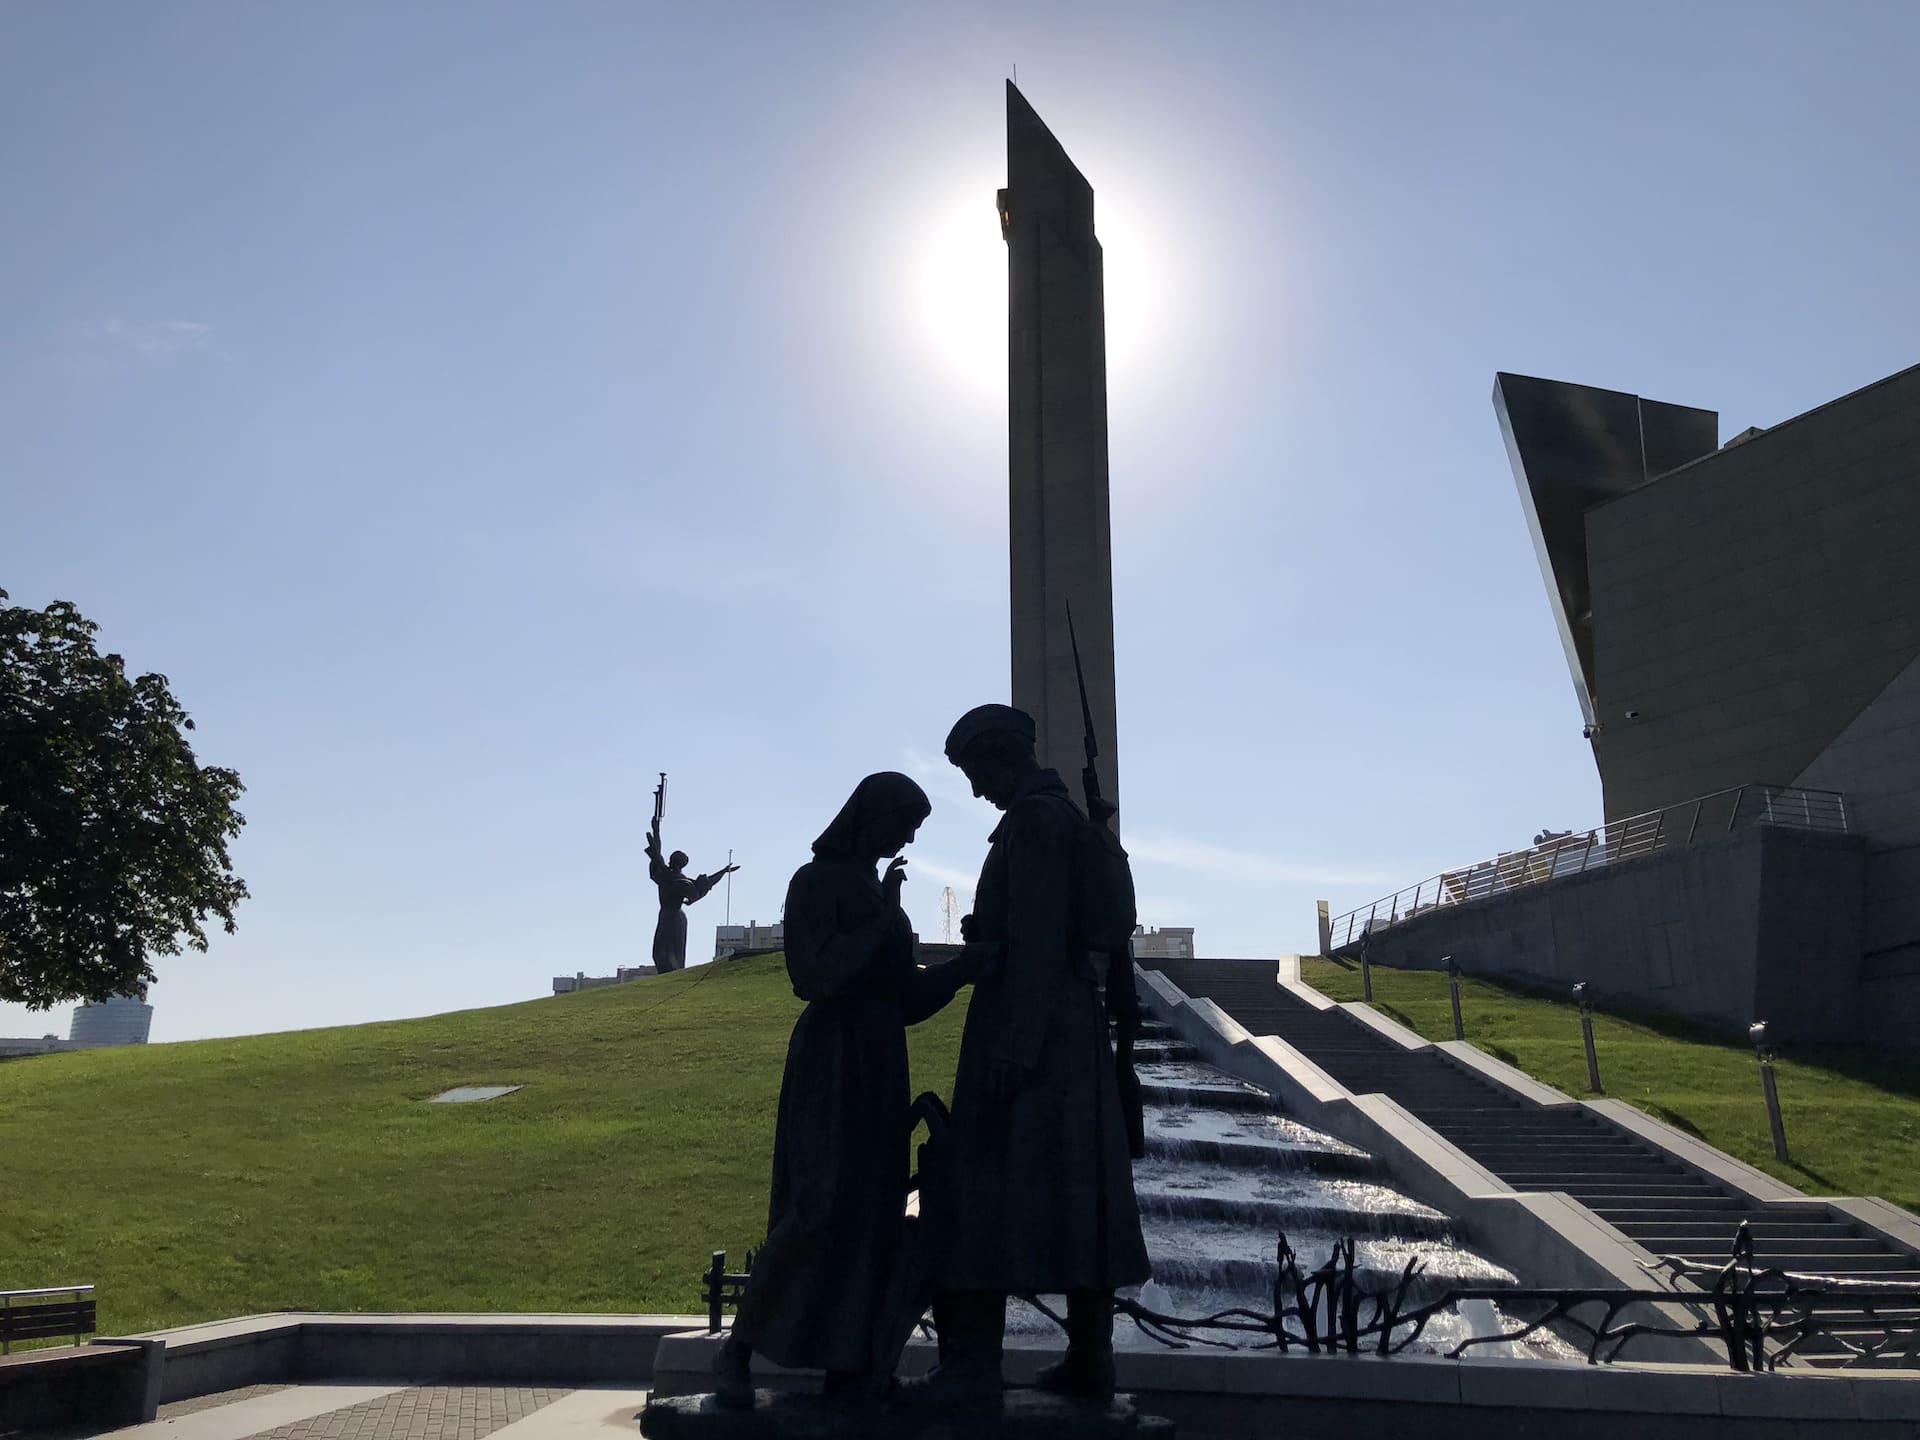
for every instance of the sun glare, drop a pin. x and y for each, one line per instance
(961, 291)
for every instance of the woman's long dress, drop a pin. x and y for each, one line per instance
(677, 891)
(841, 1154)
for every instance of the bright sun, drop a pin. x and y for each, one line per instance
(961, 291)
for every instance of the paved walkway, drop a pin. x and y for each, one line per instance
(396, 1412)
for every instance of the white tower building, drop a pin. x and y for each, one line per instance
(123, 1020)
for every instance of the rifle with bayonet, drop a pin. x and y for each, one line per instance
(1119, 914)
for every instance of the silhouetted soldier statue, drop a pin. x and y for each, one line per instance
(677, 891)
(1038, 1195)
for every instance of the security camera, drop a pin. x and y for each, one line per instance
(1633, 714)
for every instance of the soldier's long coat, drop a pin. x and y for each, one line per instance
(1040, 1187)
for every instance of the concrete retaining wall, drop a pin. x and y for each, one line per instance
(1220, 1396)
(1762, 924)
(484, 1349)
(1208, 1394)
(103, 1385)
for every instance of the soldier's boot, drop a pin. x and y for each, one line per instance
(1087, 1371)
(972, 1330)
(733, 1374)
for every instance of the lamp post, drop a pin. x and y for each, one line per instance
(1453, 987)
(1757, 1032)
(1366, 970)
(1584, 999)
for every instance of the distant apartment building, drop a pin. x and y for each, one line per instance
(580, 980)
(731, 939)
(123, 1020)
(1171, 942)
(15, 1046)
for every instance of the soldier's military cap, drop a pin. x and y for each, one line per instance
(987, 720)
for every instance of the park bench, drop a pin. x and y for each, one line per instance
(45, 1314)
(83, 1382)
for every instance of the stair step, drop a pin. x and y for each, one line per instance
(1146, 1051)
(1508, 1168)
(1713, 1213)
(1632, 1197)
(1553, 1159)
(1766, 1248)
(1668, 1210)
(1525, 1128)
(1811, 1261)
(1600, 1187)
(1294, 1216)
(1201, 1097)
(1251, 1155)
(1674, 1216)
(1597, 1156)
(1712, 1227)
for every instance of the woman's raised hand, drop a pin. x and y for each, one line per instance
(891, 882)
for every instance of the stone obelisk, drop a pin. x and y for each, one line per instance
(1061, 549)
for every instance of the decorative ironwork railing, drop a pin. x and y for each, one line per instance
(1555, 857)
(1761, 1317)
(724, 1288)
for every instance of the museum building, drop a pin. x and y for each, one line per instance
(1742, 627)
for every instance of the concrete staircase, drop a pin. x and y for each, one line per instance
(1662, 1205)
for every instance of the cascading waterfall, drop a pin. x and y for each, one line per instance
(1226, 1174)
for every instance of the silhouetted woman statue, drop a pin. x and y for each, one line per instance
(841, 1157)
(677, 891)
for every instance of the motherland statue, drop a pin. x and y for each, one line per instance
(677, 891)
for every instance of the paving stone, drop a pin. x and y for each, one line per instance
(434, 1412)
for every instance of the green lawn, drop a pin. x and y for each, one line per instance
(1852, 1115)
(302, 1171)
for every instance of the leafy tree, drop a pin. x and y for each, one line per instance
(113, 838)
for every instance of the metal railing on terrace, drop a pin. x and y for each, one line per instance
(1554, 857)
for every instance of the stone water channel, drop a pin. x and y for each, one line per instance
(1226, 1173)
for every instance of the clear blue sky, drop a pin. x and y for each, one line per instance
(475, 409)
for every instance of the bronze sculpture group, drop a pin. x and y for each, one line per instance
(1028, 1189)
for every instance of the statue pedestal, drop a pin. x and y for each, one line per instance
(779, 1415)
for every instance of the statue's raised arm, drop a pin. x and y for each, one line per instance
(700, 888)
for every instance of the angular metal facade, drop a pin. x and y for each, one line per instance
(1572, 447)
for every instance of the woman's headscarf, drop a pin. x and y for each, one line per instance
(877, 795)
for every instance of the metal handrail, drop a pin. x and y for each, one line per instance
(1671, 828)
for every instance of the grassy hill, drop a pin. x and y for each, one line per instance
(302, 1171)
